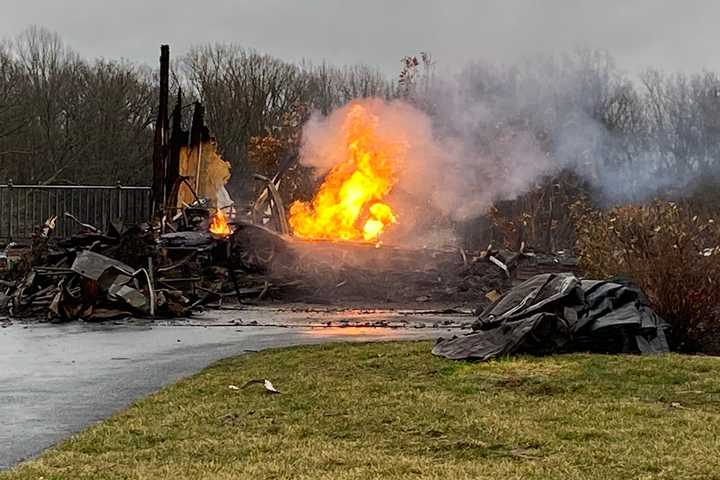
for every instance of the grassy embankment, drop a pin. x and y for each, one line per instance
(395, 411)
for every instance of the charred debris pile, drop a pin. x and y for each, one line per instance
(122, 271)
(136, 270)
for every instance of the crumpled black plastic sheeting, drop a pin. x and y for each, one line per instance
(553, 313)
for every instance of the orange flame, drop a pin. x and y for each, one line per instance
(348, 204)
(219, 224)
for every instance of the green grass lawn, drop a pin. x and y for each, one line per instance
(394, 411)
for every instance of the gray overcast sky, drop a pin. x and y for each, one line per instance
(673, 35)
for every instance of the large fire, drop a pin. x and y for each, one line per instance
(219, 224)
(348, 205)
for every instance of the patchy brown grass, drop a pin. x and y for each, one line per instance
(395, 411)
(670, 252)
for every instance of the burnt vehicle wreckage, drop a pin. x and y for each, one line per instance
(198, 250)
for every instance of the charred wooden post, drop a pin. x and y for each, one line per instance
(199, 134)
(178, 138)
(160, 149)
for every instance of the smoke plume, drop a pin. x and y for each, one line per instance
(442, 174)
(494, 132)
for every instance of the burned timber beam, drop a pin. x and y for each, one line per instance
(160, 143)
(178, 138)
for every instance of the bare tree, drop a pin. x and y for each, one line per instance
(49, 73)
(246, 94)
(65, 120)
(115, 113)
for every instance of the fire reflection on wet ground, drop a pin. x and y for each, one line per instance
(347, 321)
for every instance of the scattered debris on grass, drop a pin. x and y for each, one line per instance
(269, 387)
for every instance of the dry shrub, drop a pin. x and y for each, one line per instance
(541, 217)
(670, 252)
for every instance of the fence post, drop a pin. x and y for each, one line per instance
(11, 194)
(118, 185)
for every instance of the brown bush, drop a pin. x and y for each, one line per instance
(667, 250)
(541, 217)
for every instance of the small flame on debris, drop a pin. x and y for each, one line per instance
(219, 224)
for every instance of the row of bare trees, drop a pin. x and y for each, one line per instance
(612, 138)
(64, 119)
(629, 136)
(250, 97)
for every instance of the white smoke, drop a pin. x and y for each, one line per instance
(493, 133)
(457, 179)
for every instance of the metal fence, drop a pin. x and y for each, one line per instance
(24, 207)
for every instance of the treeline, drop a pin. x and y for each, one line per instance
(610, 138)
(65, 119)
(256, 104)
(628, 136)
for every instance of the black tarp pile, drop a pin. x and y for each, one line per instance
(552, 313)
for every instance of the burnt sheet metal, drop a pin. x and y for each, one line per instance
(92, 265)
(129, 295)
(113, 277)
(552, 313)
(189, 239)
(528, 265)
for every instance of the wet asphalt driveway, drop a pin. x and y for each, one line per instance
(57, 379)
